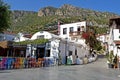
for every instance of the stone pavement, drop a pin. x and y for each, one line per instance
(94, 71)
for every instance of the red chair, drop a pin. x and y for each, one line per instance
(33, 62)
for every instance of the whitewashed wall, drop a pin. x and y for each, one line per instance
(62, 52)
(47, 35)
(54, 51)
(81, 50)
(116, 34)
(75, 25)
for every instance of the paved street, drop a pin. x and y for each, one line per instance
(94, 71)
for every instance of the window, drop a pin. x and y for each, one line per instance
(48, 45)
(82, 26)
(40, 36)
(64, 30)
(71, 29)
(78, 29)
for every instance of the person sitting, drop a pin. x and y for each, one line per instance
(77, 60)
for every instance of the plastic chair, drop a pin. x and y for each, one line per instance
(33, 62)
(39, 62)
(13, 63)
(29, 62)
(4, 60)
(25, 62)
(8, 63)
(17, 63)
(21, 62)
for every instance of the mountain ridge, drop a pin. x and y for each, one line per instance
(47, 18)
(69, 8)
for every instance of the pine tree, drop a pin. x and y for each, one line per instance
(4, 16)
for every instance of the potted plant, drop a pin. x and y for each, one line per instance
(110, 58)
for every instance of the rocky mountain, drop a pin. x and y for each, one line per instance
(46, 18)
(18, 15)
(69, 10)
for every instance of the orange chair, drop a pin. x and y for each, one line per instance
(17, 63)
(40, 62)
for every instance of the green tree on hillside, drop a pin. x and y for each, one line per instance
(100, 30)
(4, 16)
(93, 42)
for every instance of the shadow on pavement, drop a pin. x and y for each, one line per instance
(2, 71)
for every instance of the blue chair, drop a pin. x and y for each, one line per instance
(25, 63)
(9, 63)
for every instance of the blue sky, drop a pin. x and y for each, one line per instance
(35, 5)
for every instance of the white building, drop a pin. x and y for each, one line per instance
(74, 49)
(114, 36)
(103, 38)
(52, 50)
(41, 34)
(67, 30)
(52, 46)
(22, 37)
(72, 42)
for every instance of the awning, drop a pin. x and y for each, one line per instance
(5, 44)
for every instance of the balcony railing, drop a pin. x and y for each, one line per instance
(75, 33)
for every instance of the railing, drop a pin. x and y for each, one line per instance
(75, 33)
